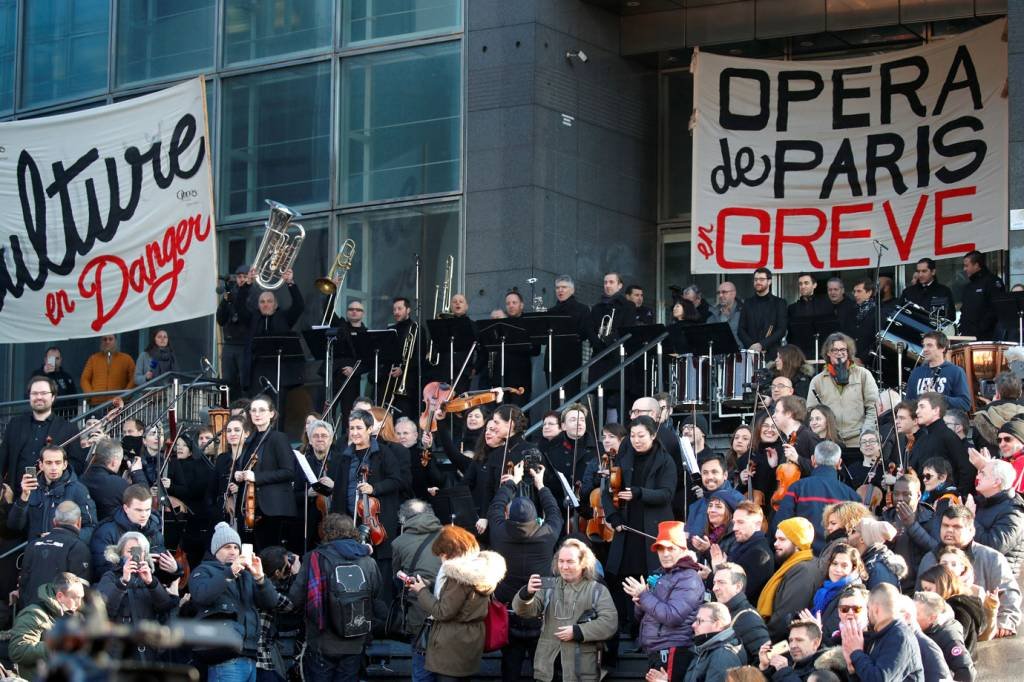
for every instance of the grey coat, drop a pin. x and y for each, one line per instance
(991, 571)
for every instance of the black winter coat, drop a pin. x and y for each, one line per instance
(757, 559)
(190, 483)
(949, 637)
(36, 516)
(748, 625)
(937, 440)
(977, 314)
(384, 475)
(109, 532)
(217, 594)
(274, 472)
(134, 602)
(999, 523)
(763, 320)
(107, 489)
(59, 551)
(25, 437)
(526, 547)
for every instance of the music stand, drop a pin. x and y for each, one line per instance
(807, 332)
(1009, 308)
(277, 349)
(320, 341)
(717, 337)
(545, 328)
(455, 333)
(501, 335)
(378, 344)
(640, 336)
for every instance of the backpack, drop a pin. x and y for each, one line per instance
(495, 625)
(349, 602)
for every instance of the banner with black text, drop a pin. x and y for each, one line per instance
(106, 218)
(813, 165)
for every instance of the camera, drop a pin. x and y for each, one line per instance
(587, 616)
(761, 380)
(533, 460)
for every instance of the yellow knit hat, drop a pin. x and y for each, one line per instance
(799, 531)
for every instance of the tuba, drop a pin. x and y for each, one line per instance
(327, 286)
(279, 247)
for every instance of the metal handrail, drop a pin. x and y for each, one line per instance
(651, 345)
(572, 375)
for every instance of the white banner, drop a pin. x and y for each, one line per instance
(106, 218)
(808, 165)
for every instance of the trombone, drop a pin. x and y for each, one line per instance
(326, 284)
(445, 291)
(408, 348)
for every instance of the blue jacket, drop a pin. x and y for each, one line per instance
(36, 515)
(217, 593)
(697, 517)
(883, 566)
(891, 655)
(808, 498)
(947, 379)
(111, 531)
(667, 610)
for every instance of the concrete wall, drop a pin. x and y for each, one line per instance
(1015, 13)
(544, 197)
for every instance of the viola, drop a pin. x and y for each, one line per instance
(786, 474)
(368, 509)
(869, 493)
(467, 401)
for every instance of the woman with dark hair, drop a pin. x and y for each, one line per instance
(684, 314)
(457, 603)
(648, 484)
(158, 358)
(766, 445)
(844, 568)
(222, 485)
(503, 443)
(790, 362)
(268, 464)
(737, 454)
(822, 421)
(190, 475)
(967, 608)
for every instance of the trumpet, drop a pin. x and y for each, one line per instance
(279, 247)
(327, 286)
(445, 291)
(604, 331)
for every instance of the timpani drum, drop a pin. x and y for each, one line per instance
(981, 361)
(692, 379)
(737, 374)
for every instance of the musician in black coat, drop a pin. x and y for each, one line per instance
(763, 318)
(273, 474)
(106, 486)
(518, 361)
(621, 312)
(264, 317)
(27, 433)
(323, 456)
(190, 473)
(346, 353)
(568, 350)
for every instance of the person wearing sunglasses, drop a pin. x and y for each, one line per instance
(1010, 439)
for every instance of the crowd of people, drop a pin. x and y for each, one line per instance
(846, 532)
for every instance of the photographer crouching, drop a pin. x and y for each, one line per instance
(578, 615)
(526, 542)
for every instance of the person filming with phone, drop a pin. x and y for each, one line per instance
(43, 488)
(526, 542)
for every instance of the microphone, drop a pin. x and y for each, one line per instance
(206, 365)
(267, 386)
(880, 245)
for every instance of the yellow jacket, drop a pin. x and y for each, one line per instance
(107, 373)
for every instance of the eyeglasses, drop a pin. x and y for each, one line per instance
(39, 394)
(869, 441)
(840, 350)
(642, 411)
(850, 608)
(698, 621)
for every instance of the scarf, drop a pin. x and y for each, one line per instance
(839, 373)
(766, 602)
(716, 534)
(864, 309)
(829, 591)
(316, 589)
(685, 562)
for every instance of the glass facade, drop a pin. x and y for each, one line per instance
(262, 30)
(275, 139)
(161, 38)
(65, 50)
(368, 21)
(401, 123)
(350, 112)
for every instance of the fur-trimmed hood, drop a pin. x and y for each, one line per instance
(482, 571)
(881, 553)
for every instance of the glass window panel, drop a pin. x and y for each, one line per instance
(375, 20)
(677, 149)
(386, 244)
(400, 123)
(259, 30)
(65, 49)
(161, 38)
(8, 31)
(275, 138)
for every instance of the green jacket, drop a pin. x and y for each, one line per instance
(26, 647)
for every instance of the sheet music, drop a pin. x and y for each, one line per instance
(689, 459)
(304, 465)
(573, 500)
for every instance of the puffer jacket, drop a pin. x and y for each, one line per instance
(109, 532)
(36, 515)
(999, 524)
(134, 603)
(714, 657)
(26, 646)
(456, 642)
(883, 566)
(748, 625)
(588, 638)
(666, 611)
(854, 405)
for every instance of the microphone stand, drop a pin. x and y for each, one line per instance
(416, 340)
(879, 246)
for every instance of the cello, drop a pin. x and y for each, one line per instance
(368, 509)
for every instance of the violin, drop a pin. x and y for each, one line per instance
(467, 401)
(249, 505)
(869, 493)
(596, 528)
(786, 474)
(434, 394)
(368, 509)
(753, 494)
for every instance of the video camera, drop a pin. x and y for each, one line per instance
(533, 460)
